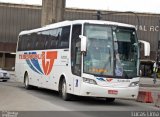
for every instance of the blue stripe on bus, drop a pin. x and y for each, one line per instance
(36, 63)
(30, 65)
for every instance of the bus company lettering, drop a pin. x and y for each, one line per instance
(31, 56)
(47, 59)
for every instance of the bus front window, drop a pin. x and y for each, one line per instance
(126, 52)
(98, 59)
(111, 52)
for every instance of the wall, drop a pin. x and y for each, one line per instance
(15, 18)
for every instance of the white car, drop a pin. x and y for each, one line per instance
(4, 75)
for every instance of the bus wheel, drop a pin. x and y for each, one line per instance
(64, 94)
(26, 82)
(110, 100)
(4, 81)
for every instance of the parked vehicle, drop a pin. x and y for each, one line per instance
(4, 75)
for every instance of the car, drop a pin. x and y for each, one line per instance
(4, 75)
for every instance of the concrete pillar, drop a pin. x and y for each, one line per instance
(52, 11)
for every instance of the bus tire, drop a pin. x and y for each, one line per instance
(4, 80)
(110, 100)
(63, 91)
(26, 81)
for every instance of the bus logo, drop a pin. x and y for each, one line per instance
(109, 79)
(47, 59)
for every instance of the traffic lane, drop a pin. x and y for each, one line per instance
(43, 99)
(92, 104)
(14, 97)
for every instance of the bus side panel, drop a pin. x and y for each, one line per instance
(45, 68)
(24, 65)
(61, 66)
(19, 68)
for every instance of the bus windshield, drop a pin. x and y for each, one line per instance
(110, 52)
(99, 56)
(126, 52)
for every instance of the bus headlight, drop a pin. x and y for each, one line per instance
(134, 84)
(90, 81)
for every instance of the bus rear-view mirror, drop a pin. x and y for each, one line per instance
(146, 47)
(83, 43)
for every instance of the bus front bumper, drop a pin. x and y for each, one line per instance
(110, 92)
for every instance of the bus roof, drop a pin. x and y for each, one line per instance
(65, 23)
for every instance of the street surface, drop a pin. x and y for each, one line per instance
(14, 97)
(16, 101)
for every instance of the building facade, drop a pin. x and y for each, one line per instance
(13, 19)
(16, 18)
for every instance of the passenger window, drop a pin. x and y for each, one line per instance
(64, 34)
(26, 43)
(20, 43)
(51, 39)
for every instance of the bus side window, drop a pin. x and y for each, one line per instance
(52, 39)
(20, 43)
(26, 42)
(32, 39)
(75, 50)
(64, 37)
(23, 43)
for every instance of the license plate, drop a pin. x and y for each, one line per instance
(114, 92)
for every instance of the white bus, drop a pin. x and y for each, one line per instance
(81, 57)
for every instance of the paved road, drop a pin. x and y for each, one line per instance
(14, 97)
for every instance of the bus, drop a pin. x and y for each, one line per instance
(82, 57)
